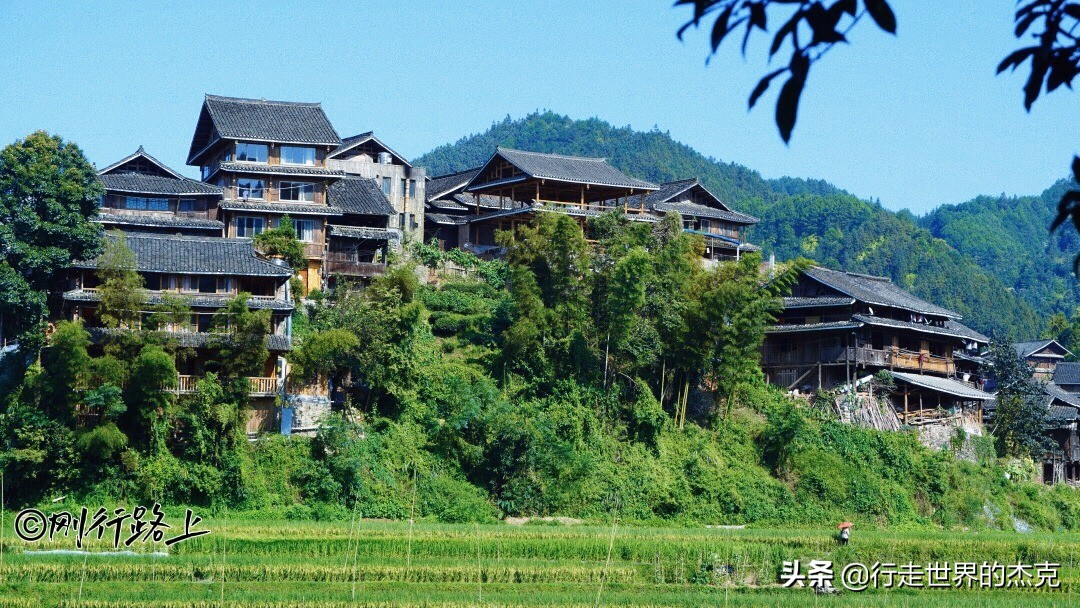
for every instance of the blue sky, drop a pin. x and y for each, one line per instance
(916, 120)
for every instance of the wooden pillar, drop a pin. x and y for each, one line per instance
(905, 404)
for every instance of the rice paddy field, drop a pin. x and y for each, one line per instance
(374, 563)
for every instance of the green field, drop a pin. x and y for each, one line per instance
(284, 563)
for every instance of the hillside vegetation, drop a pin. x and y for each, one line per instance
(563, 381)
(996, 265)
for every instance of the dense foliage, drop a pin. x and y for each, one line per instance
(577, 378)
(814, 219)
(48, 194)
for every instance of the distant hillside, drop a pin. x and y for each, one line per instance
(799, 217)
(1008, 236)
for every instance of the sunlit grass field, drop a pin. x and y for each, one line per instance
(286, 563)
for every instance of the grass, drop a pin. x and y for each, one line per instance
(283, 564)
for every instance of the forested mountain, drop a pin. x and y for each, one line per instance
(950, 257)
(1008, 236)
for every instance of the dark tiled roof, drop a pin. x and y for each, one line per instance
(1067, 373)
(876, 290)
(201, 300)
(278, 207)
(197, 255)
(1057, 394)
(161, 221)
(276, 121)
(446, 205)
(574, 169)
(141, 153)
(947, 386)
(359, 195)
(689, 209)
(1026, 349)
(300, 170)
(669, 190)
(442, 218)
(669, 197)
(355, 140)
(952, 332)
(441, 185)
(966, 332)
(817, 302)
(140, 183)
(793, 328)
(193, 339)
(365, 232)
(1061, 413)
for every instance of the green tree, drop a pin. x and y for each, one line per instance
(282, 242)
(730, 310)
(153, 372)
(48, 195)
(240, 343)
(66, 364)
(121, 287)
(1019, 419)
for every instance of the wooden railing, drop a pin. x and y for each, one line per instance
(626, 208)
(893, 359)
(185, 292)
(338, 263)
(259, 386)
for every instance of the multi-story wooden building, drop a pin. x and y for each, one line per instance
(270, 160)
(206, 272)
(403, 185)
(1043, 356)
(705, 214)
(361, 238)
(837, 326)
(465, 209)
(142, 195)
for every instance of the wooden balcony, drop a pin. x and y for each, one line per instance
(628, 208)
(886, 358)
(259, 386)
(347, 264)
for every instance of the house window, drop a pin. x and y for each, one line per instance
(412, 188)
(247, 226)
(297, 155)
(386, 186)
(705, 225)
(252, 153)
(402, 189)
(305, 230)
(205, 172)
(208, 284)
(186, 205)
(297, 191)
(142, 202)
(152, 281)
(247, 187)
